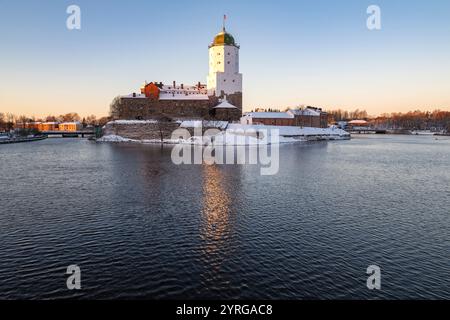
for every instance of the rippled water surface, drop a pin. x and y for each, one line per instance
(140, 227)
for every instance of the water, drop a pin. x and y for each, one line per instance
(140, 227)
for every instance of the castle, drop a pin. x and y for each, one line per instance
(219, 99)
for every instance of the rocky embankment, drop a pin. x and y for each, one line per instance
(153, 131)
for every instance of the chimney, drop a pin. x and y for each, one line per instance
(182, 86)
(199, 85)
(174, 84)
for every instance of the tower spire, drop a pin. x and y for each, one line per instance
(224, 19)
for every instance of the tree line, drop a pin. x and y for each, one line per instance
(9, 121)
(412, 120)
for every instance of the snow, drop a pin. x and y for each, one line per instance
(239, 135)
(306, 112)
(225, 105)
(183, 96)
(68, 123)
(190, 88)
(207, 124)
(114, 138)
(291, 131)
(133, 122)
(269, 115)
(359, 122)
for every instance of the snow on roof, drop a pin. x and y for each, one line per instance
(225, 105)
(311, 112)
(358, 122)
(182, 96)
(73, 122)
(269, 115)
(305, 112)
(189, 88)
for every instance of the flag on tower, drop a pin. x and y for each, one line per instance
(224, 19)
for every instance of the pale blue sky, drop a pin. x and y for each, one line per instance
(292, 52)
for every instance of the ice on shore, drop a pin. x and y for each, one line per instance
(114, 138)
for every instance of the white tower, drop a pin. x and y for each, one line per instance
(224, 76)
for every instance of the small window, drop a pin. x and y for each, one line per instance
(228, 62)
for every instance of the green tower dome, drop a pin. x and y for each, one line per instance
(223, 38)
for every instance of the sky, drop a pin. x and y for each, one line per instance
(293, 52)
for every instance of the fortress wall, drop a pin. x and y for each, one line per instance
(146, 108)
(141, 130)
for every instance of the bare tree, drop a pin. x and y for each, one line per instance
(2, 121)
(91, 120)
(114, 108)
(71, 117)
(23, 121)
(50, 118)
(162, 121)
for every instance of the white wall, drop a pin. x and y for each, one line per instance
(224, 70)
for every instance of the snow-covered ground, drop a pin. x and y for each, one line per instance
(133, 122)
(239, 134)
(288, 131)
(199, 123)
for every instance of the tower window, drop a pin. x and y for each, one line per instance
(228, 62)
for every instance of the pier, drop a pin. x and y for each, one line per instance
(70, 134)
(367, 131)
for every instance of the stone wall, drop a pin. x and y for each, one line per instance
(128, 108)
(145, 130)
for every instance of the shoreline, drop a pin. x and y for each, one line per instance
(231, 135)
(22, 140)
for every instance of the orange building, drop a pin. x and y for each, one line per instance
(70, 126)
(151, 90)
(48, 126)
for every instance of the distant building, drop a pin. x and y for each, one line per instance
(358, 125)
(70, 126)
(48, 126)
(309, 117)
(269, 118)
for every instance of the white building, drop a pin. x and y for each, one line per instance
(224, 76)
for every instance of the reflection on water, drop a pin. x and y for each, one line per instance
(215, 211)
(141, 227)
